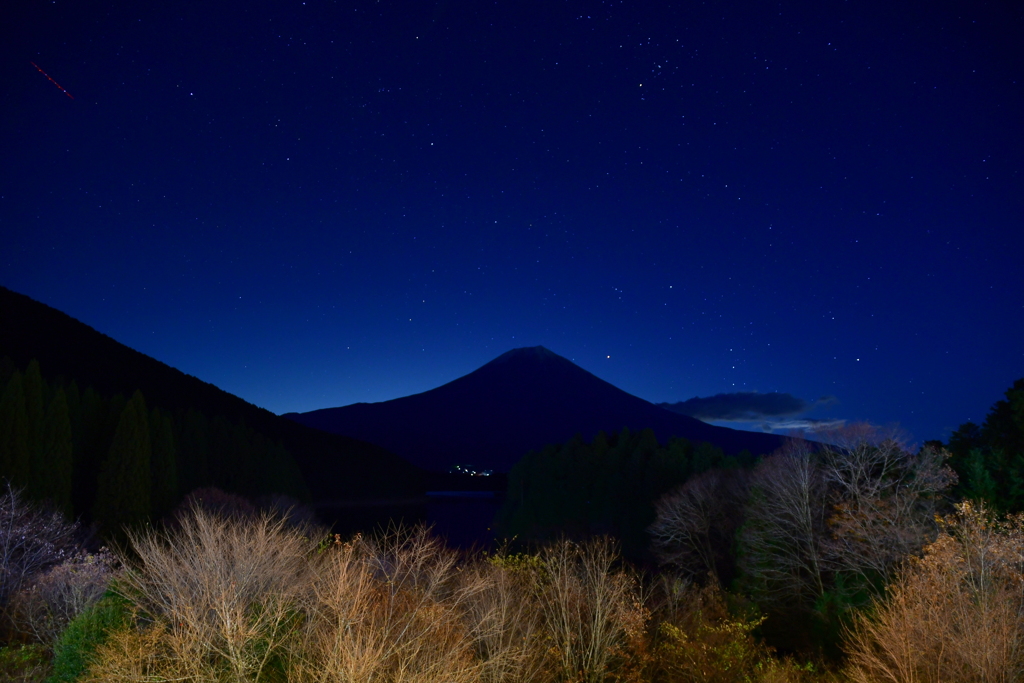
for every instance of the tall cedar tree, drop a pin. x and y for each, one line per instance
(15, 457)
(123, 489)
(164, 465)
(35, 405)
(53, 475)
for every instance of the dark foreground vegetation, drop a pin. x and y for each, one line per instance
(229, 596)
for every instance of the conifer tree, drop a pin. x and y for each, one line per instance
(705, 457)
(15, 458)
(52, 472)
(164, 467)
(193, 449)
(35, 407)
(123, 494)
(91, 444)
(7, 368)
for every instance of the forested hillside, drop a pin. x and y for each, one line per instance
(115, 460)
(333, 467)
(607, 486)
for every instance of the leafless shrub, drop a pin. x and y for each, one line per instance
(222, 595)
(593, 611)
(669, 596)
(31, 541)
(213, 501)
(289, 509)
(957, 614)
(252, 599)
(139, 654)
(389, 609)
(44, 609)
(701, 642)
(503, 617)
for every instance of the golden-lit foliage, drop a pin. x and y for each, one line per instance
(956, 614)
(252, 599)
(699, 640)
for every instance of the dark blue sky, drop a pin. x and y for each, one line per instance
(315, 203)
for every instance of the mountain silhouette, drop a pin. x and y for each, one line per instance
(520, 401)
(334, 467)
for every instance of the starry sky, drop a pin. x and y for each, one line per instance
(313, 203)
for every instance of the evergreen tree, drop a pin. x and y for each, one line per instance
(164, 467)
(53, 470)
(606, 487)
(15, 458)
(680, 455)
(705, 457)
(977, 482)
(90, 446)
(123, 489)
(989, 459)
(7, 368)
(35, 407)
(193, 444)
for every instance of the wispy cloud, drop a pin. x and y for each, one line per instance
(805, 424)
(776, 411)
(745, 406)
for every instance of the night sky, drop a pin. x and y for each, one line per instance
(315, 203)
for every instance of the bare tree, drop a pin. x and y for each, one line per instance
(784, 537)
(695, 523)
(884, 499)
(839, 516)
(44, 608)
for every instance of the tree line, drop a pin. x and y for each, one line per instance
(115, 461)
(607, 486)
(989, 458)
(808, 536)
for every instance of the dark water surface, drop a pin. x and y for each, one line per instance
(463, 520)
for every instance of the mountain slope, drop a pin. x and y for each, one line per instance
(522, 400)
(335, 467)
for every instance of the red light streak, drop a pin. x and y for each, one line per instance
(52, 81)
